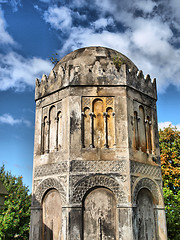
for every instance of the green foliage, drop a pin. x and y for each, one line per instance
(15, 216)
(169, 140)
(118, 61)
(54, 59)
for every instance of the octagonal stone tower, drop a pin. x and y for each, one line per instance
(96, 171)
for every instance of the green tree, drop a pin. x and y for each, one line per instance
(169, 139)
(15, 216)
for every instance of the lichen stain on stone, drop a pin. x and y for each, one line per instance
(74, 122)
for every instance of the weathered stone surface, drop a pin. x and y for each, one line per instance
(96, 153)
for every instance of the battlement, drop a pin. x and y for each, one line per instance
(95, 66)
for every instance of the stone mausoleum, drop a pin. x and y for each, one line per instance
(96, 173)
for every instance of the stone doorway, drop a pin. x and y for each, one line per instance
(144, 216)
(52, 215)
(100, 215)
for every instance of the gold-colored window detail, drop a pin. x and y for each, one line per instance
(52, 129)
(98, 122)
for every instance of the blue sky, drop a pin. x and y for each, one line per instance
(146, 31)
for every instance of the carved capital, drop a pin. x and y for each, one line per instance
(91, 114)
(105, 114)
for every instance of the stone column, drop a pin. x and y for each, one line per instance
(105, 130)
(92, 129)
(125, 223)
(36, 223)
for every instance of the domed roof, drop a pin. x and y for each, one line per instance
(93, 66)
(90, 66)
(89, 55)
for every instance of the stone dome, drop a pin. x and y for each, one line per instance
(94, 66)
(89, 55)
(91, 65)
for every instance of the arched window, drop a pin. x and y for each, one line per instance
(100, 215)
(59, 131)
(142, 132)
(99, 138)
(52, 129)
(87, 136)
(52, 215)
(45, 135)
(136, 133)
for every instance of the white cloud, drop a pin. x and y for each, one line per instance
(163, 125)
(175, 5)
(148, 41)
(59, 18)
(8, 119)
(103, 22)
(5, 38)
(18, 72)
(146, 6)
(82, 37)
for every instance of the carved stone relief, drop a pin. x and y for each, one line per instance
(50, 169)
(145, 183)
(47, 184)
(85, 184)
(145, 169)
(98, 166)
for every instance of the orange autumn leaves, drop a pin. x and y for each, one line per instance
(169, 142)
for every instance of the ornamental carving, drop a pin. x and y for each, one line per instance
(50, 169)
(46, 185)
(86, 183)
(98, 166)
(145, 183)
(145, 169)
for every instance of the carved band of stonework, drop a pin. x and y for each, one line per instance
(98, 166)
(50, 169)
(94, 181)
(145, 169)
(46, 185)
(150, 185)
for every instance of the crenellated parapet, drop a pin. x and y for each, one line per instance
(95, 66)
(144, 84)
